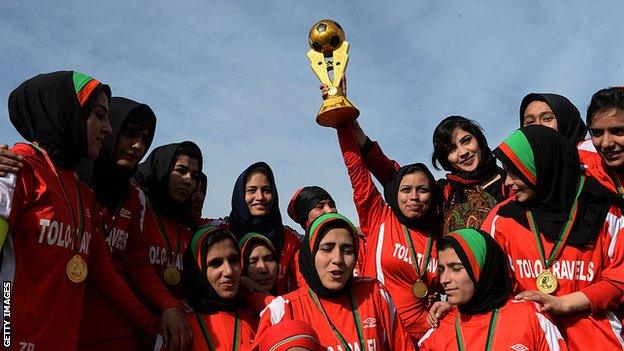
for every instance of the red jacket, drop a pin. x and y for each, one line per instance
(46, 306)
(535, 332)
(123, 233)
(382, 330)
(589, 270)
(388, 257)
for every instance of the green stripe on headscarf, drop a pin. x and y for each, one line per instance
(80, 80)
(520, 146)
(327, 216)
(477, 244)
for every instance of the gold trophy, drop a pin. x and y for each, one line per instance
(329, 54)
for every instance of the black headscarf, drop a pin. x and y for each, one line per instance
(153, 176)
(569, 121)
(242, 222)
(431, 219)
(314, 235)
(196, 288)
(51, 109)
(487, 266)
(110, 182)
(303, 201)
(555, 161)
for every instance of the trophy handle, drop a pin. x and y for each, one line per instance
(341, 58)
(319, 66)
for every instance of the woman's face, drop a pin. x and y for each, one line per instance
(183, 178)
(322, 207)
(258, 194)
(262, 267)
(198, 201)
(458, 286)
(335, 258)
(414, 196)
(523, 192)
(223, 268)
(538, 112)
(97, 125)
(607, 134)
(464, 153)
(131, 145)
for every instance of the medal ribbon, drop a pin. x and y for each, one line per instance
(565, 231)
(490, 334)
(78, 231)
(356, 318)
(618, 183)
(413, 252)
(163, 233)
(209, 343)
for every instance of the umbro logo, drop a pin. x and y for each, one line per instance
(124, 213)
(369, 322)
(519, 347)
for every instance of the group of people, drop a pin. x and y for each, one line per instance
(103, 250)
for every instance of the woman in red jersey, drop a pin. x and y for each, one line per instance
(562, 234)
(169, 178)
(255, 208)
(476, 279)
(210, 285)
(65, 116)
(400, 232)
(348, 313)
(109, 176)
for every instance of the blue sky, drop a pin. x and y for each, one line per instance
(233, 75)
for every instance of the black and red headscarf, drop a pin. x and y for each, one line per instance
(51, 109)
(303, 201)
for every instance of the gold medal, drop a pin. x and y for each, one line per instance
(419, 289)
(171, 276)
(546, 282)
(77, 269)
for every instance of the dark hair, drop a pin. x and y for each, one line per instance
(139, 119)
(442, 245)
(215, 238)
(603, 100)
(189, 151)
(254, 170)
(442, 139)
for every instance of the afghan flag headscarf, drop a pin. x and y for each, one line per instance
(548, 163)
(153, 176)
(569, 121)
(487, 266)
(314, 235)
(196, 288)
(110, 182)
(242, 221)
(52, 109)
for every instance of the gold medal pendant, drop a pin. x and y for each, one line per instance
(77, 269)
(546, 282)
(171, 276)
(419, 289)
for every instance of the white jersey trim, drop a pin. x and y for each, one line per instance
(7, 189)
(551, 333)
(425, 337)
(615, 225)
(378, 253)
(277, 307)
(616, 327)
(587, 145)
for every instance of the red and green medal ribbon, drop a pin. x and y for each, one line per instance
(565, 231)
(208, 339)
(420, 273)
(356, 318)
(490, 334)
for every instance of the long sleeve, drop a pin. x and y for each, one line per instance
(382, 167)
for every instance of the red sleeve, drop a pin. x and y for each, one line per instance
(143, 276)
(104, 276)
(379, 164)
(368, 200)
(603, 296)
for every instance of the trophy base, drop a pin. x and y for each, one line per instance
(337, 111)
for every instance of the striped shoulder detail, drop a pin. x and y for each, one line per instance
(378, 253)
(277, 308)
(551, 333)
(425, 337)
(616, 223)
(616, 327)
(391, 307)
(586, 145)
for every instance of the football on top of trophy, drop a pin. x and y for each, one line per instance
(326, 36)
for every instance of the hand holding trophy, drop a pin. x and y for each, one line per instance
(329, 53)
